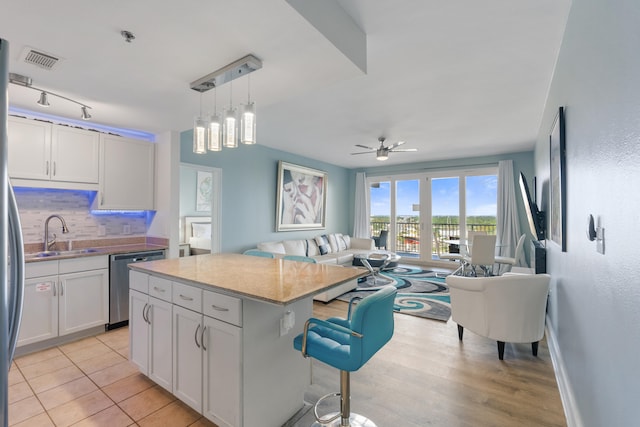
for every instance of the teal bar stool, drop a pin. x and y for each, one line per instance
(255, 252)
(347, 344)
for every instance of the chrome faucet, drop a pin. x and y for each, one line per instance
(49, 243)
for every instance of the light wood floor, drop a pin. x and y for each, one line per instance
(423, 377)
(426, 377)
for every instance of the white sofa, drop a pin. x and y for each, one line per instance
(333, 249)
(339, 248)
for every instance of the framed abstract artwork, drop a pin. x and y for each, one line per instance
(204, 187)
(557, 177)
(302, 196)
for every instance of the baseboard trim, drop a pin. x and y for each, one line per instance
(566, 392)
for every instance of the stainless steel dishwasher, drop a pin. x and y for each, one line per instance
(119, 284)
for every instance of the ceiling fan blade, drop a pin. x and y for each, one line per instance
(365, 152)
(405, 150)
(397, 144)
(364, 146)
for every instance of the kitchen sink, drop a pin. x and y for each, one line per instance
(48, 254)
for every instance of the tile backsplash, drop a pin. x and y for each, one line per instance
(35, 205)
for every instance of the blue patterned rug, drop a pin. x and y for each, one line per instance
(420, 292)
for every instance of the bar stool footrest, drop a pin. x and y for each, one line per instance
(355, 420)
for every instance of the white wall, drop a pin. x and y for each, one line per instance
(595, 299)
(167, 183)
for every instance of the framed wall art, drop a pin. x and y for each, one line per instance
(204, 187)
(557, 187)
(302, 196)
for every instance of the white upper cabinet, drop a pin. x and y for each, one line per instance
(75, 155)
(46, 152)
(127, 174)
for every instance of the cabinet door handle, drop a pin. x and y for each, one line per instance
(217, 308)
(46, 168)
(186, 298)
(144, 317)
(61, 288)
(196, 336)
(54, 168)
(54, 288)
(148, 313)
(202, 338)
(101, 198)
(155, 287)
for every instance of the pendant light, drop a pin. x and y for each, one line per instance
(248, 119)
(199, 132)
(230, 124)
(214, 137)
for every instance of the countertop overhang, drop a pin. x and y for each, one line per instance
(275, 281)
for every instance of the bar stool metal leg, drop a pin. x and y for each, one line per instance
(344, 418)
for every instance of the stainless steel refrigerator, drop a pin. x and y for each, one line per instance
(11, 249)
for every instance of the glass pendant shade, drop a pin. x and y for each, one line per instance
(230, 129)
(248, 124)
(214, 137)
(199, 136)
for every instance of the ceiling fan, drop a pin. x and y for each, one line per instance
(382, 152)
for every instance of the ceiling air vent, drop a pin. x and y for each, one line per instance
(39, 59)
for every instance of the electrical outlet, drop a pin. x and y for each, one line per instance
(126, 229)
(102, 230)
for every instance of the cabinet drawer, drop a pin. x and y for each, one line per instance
(187, 296)
(160, 288)
(139, 281)
(84, 264)
(222, 307)
(41, 268)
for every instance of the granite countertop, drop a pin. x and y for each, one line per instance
(94, 251)
(276, 281)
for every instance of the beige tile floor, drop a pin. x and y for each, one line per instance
(90, 383)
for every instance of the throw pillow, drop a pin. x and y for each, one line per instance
(294, 247)
(333, 242)
(312, 248)
(347, 240)
(323, 245)
(342, 245)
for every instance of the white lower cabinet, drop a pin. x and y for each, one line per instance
(150, 333)
(64, 296)
(187, 357)
(206, 365)
(83, 301)
(222, 367)
(40, 310)
(204, 354)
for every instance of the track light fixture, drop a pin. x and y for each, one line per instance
(24, 81)
(43, 99)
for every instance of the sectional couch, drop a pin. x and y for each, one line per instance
(335, 249)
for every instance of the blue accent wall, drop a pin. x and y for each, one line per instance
(249, 190)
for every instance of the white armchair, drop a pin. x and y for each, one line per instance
(507, 308)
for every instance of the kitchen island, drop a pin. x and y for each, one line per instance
(217, 331)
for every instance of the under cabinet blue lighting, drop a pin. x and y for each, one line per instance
(135, 214)
(130, 133)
